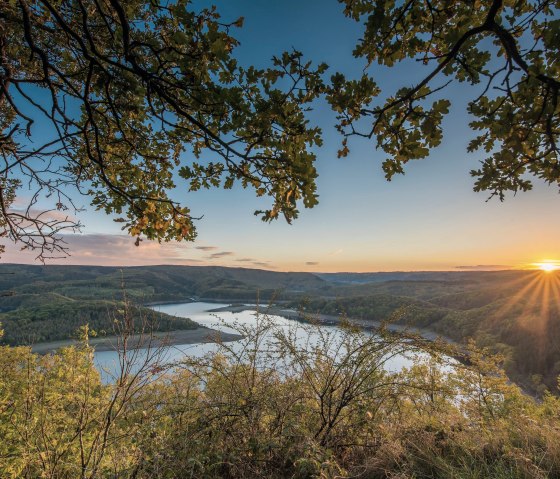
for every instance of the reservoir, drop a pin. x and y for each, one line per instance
(226, 321)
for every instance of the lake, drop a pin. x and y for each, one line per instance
(200, 312)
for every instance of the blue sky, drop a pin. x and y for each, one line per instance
(429, 219)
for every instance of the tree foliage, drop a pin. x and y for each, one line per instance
(55, 319)
(507, 50)
(127, 101)
(122, 99)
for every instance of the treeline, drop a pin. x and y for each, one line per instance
(35, 318)
(275, 411)
(374, 307)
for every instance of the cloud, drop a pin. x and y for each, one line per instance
(336, 252)
(109, 250)
(220, 254)
(262, 264)
(484, 267)
(312, 263)
(120, 250)
(46, 216)
(254, 262)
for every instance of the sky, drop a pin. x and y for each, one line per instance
(428, 219)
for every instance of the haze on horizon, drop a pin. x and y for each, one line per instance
(429, 219)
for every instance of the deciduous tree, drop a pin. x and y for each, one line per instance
(503, 52)
(121, 99)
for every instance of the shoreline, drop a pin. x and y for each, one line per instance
(199, 335)
(332, 320)
(203, 334)
(231, 302)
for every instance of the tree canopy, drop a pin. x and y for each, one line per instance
(509, 49)
(127, 91)
(121, 100)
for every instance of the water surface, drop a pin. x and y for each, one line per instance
(225, 321)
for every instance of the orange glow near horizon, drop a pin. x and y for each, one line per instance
(547, 266)
(536, 299)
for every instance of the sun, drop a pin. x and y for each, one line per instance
(548, 266)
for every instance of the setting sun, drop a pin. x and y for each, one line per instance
(548, 266)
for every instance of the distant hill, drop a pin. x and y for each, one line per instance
(156, 283)
(423, 276)
(380, 277)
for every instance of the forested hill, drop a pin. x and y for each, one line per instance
(156, 283)
(383, 276)
(512, 312)
(48, 303)
(170, 283)
(515, 313)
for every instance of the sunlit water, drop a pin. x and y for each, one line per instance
(108, 361)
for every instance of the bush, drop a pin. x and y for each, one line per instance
(297, 403)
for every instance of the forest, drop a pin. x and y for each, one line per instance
(515, 314)
(59, 318)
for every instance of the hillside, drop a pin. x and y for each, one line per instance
(35, 318)
(49, 303)
(514, 313)
(156, 283)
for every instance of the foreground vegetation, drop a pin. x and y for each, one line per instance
(325, 405)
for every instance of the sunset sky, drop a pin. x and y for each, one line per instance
(429, 219)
